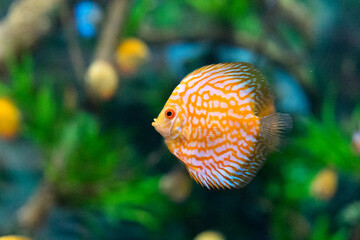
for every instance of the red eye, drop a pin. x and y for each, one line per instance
(169, 113)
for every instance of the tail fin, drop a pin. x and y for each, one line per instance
(273, 128)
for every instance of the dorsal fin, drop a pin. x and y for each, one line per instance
(264, 99)
(273, 128)
(249, 74)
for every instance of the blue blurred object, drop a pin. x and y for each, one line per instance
(87, 16)
(228, 53)
(179, 53)
(325, 20)
(291, 97)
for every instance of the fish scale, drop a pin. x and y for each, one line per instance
(212, 122)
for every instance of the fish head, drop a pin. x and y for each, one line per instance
(169, 123)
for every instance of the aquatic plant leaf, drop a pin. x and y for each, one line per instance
(138, 201)
(4, 90)
(168, 14)
(292, 37)
(250, 24)
(321, 228)
(45, 110)
(298, 178)
(231, 10)
(139, 11)
(21, 74)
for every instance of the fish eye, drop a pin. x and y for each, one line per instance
(169, 113)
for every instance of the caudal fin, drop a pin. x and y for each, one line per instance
(273, 128)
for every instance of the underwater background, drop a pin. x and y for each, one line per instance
(80, 84)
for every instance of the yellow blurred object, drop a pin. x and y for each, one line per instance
(102, 80)
(9, 119)
(176, 185)
(14, 237)
(324, 184)
(209, 235)
(130, 54)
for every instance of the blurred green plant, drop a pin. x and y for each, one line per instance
(229, 10)
(85, 163)
(318, 144)
(138, 13)
(322, 230)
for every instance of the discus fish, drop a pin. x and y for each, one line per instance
(220, 121)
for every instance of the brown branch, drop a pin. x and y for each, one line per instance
(289, 60)
(26, 22)
(292, 13)
(101, 76)
(35, 211)
(74, 49)
(109, 36)
(296, 13)
(37, 208)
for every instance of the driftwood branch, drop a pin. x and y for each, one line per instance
(289, 60)
(71, 35)
(101, 76)
(35, 211)
(26, 22)
(110, 34)
(298, 16)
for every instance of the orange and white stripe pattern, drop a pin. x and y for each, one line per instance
(212, 123)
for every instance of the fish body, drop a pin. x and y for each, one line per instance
(220, 121)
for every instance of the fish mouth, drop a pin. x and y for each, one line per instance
(160, 129)
(154, 124)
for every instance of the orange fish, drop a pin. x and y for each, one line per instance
(220, 121)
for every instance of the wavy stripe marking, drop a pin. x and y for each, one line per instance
(221, 103)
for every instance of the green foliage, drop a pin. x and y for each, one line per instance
(139, 11)
(298, 176)
(38, 106)
(44, 114)
(136, 201)
(317, 144)
(22, 80)
(322, 230)
(250, 24)
(230, 10)
(293, 38)
(168, 14)
(326, 144)
(88, 156)
(83, 161)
